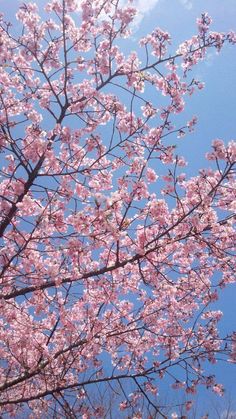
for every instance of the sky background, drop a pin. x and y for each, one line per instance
(215, 107)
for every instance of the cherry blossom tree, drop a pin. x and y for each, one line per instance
(110, 256)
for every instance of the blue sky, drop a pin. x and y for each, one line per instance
(215, 106)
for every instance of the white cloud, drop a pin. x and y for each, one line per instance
(228, 415)
(143, 8)
(209, 60)
(187, 4)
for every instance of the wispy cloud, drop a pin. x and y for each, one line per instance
(228, 414)
(187, 4)
(144, 7)
(209, 61)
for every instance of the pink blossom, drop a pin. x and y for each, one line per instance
(218, 389)
(151, 175)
